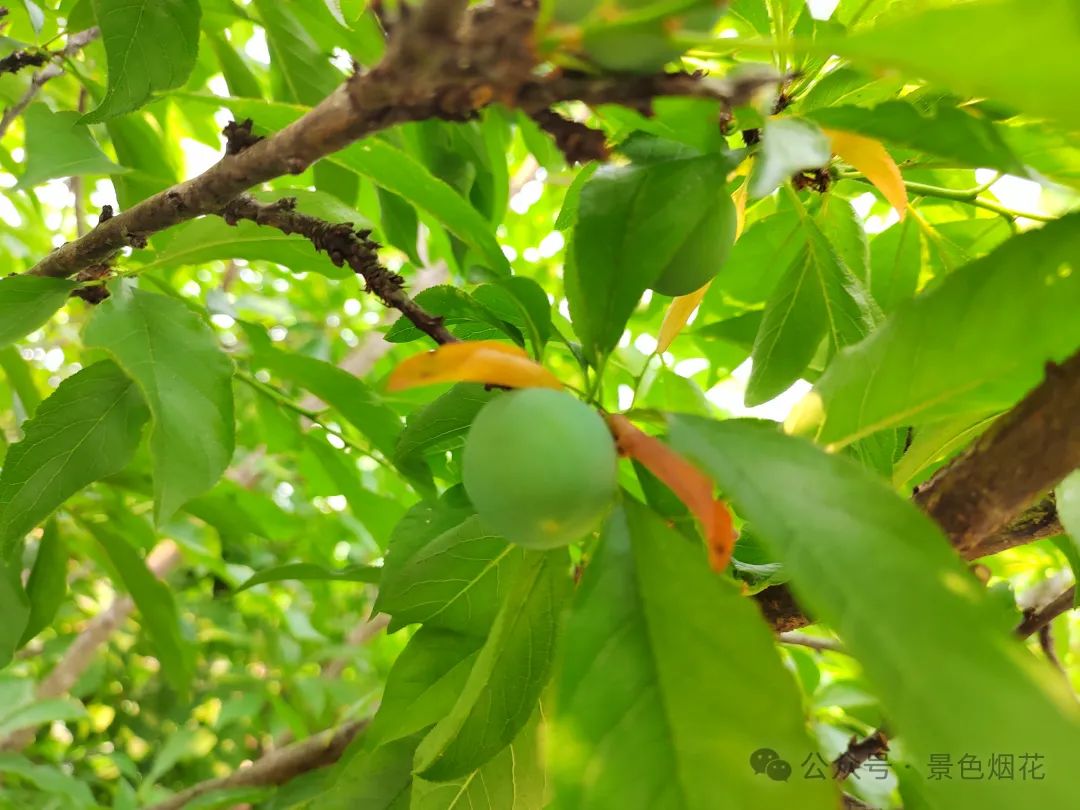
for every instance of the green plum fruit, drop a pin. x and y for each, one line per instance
(540, 467)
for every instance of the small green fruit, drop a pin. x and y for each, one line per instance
(540, 467)
(704, 251)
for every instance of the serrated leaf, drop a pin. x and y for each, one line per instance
(57, 145)
(818, 297)
(311, 571)
(521, 302)
(485, 361)
(445, 570)
(878, 571)
(87, 430)
(788, 145)
(442, 425)
(513, 779)
(175, 359)
(375, 780)
(511, 670)
(150, 46)
(158, 613)
(977, 345)
(657, 701)
(457, 308)
(27, 302)
(424, 683)
(15, 607)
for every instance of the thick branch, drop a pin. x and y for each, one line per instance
(344, 246)
(277, 767)
(428, 72)
(1023, 454)
(979, 499)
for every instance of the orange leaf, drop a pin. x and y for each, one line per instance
(683, 307)
(691, 486)
(871, 158)
(484, 361)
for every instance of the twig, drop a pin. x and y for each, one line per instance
(1046, 643)
(344, 246)
(812, 642)
(969, 196)
(277, 767)
(858, 752)
(75, 43)
(1036, 620)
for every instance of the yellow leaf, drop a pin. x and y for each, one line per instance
(691, 486)
(483, 361)
(871, 158)
(683, 307)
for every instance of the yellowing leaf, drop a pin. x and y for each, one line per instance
(483, 361)
(871, 158)
(692, 486)
(683, 307)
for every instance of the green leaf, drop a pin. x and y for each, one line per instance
(17, 371)
(1023, 69)
(47, 584)
(937, 441)
(658, 701)
(344, 392)
(57, 145)
(392, 169)
(39, 713)
(443, 425)
(513, 778)
(87, 430)
(977, 344)
(511, 670)
(303, 66)
(423, 684)
(788, 145)
(1068, 508)
(961, 135)
(843, 229)
(27, 302)
(374, 780)
(15, 607)
(150, 46)
(625, 238)
(154, 599)
(175, 359)
(522, 302)
(311, 571)
(817, 297)
(141, 146)
(472, 319)
(895, 263)
(445, 571)
(757, 261)
(885, 578)
(239, 78)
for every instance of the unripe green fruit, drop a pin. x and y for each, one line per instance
(704, 251)
(540, 467)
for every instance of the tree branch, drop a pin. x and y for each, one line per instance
(428, 72)
(277, 767)
(344, 246)
(75, 43)
(858, 752)
(1036, 620)
(979, 498)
